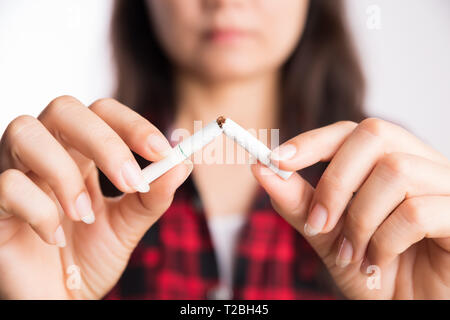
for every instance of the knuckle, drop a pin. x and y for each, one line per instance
(18, 126)
(101, 104)
(396, 164)
(142, 130)
(58, 105)
(413, 212)
(332, 182)
(374, 126)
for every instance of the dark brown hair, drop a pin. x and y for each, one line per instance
(321, 81)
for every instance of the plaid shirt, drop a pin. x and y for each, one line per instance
(176, 260)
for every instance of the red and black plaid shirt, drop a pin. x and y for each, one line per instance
(176, 260)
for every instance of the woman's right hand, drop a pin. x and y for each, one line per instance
(50, 197)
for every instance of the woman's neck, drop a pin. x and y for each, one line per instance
(253, 102)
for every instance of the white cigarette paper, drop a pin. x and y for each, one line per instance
(253, 146)
(182, 151)
(203, 137)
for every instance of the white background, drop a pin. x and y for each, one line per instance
(54, 47)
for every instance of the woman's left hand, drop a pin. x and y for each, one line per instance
(380, 215)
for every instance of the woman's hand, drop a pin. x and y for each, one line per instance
(380, 214)
(50, 197)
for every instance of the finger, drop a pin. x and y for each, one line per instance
(322, 144)
(32, 148)
(312, 146)
(135, 213)
(21, 198)
(137, 132)
(79, 127)
(396, 177)
(353, 162)
(414, 220)
(291, 199)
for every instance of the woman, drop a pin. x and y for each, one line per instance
(377, 217)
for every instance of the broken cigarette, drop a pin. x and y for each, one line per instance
(203, 137)
(253, 146)
(182, 151)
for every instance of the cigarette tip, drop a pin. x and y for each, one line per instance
(220, 121)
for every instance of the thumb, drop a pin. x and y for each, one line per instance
(135, 213)
(291, 199)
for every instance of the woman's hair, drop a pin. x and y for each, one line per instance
(321, 81)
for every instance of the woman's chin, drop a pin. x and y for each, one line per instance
(225, 70)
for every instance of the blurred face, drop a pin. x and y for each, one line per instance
(228, 39)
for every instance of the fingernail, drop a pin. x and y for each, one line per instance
(158, 144)
(345, 254)
(83, 206)
(316, 220)
(132, 175)
(284, 152)
(59, 237)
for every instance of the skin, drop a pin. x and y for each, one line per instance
(35, 190)
(227, 58)
(385, 191)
